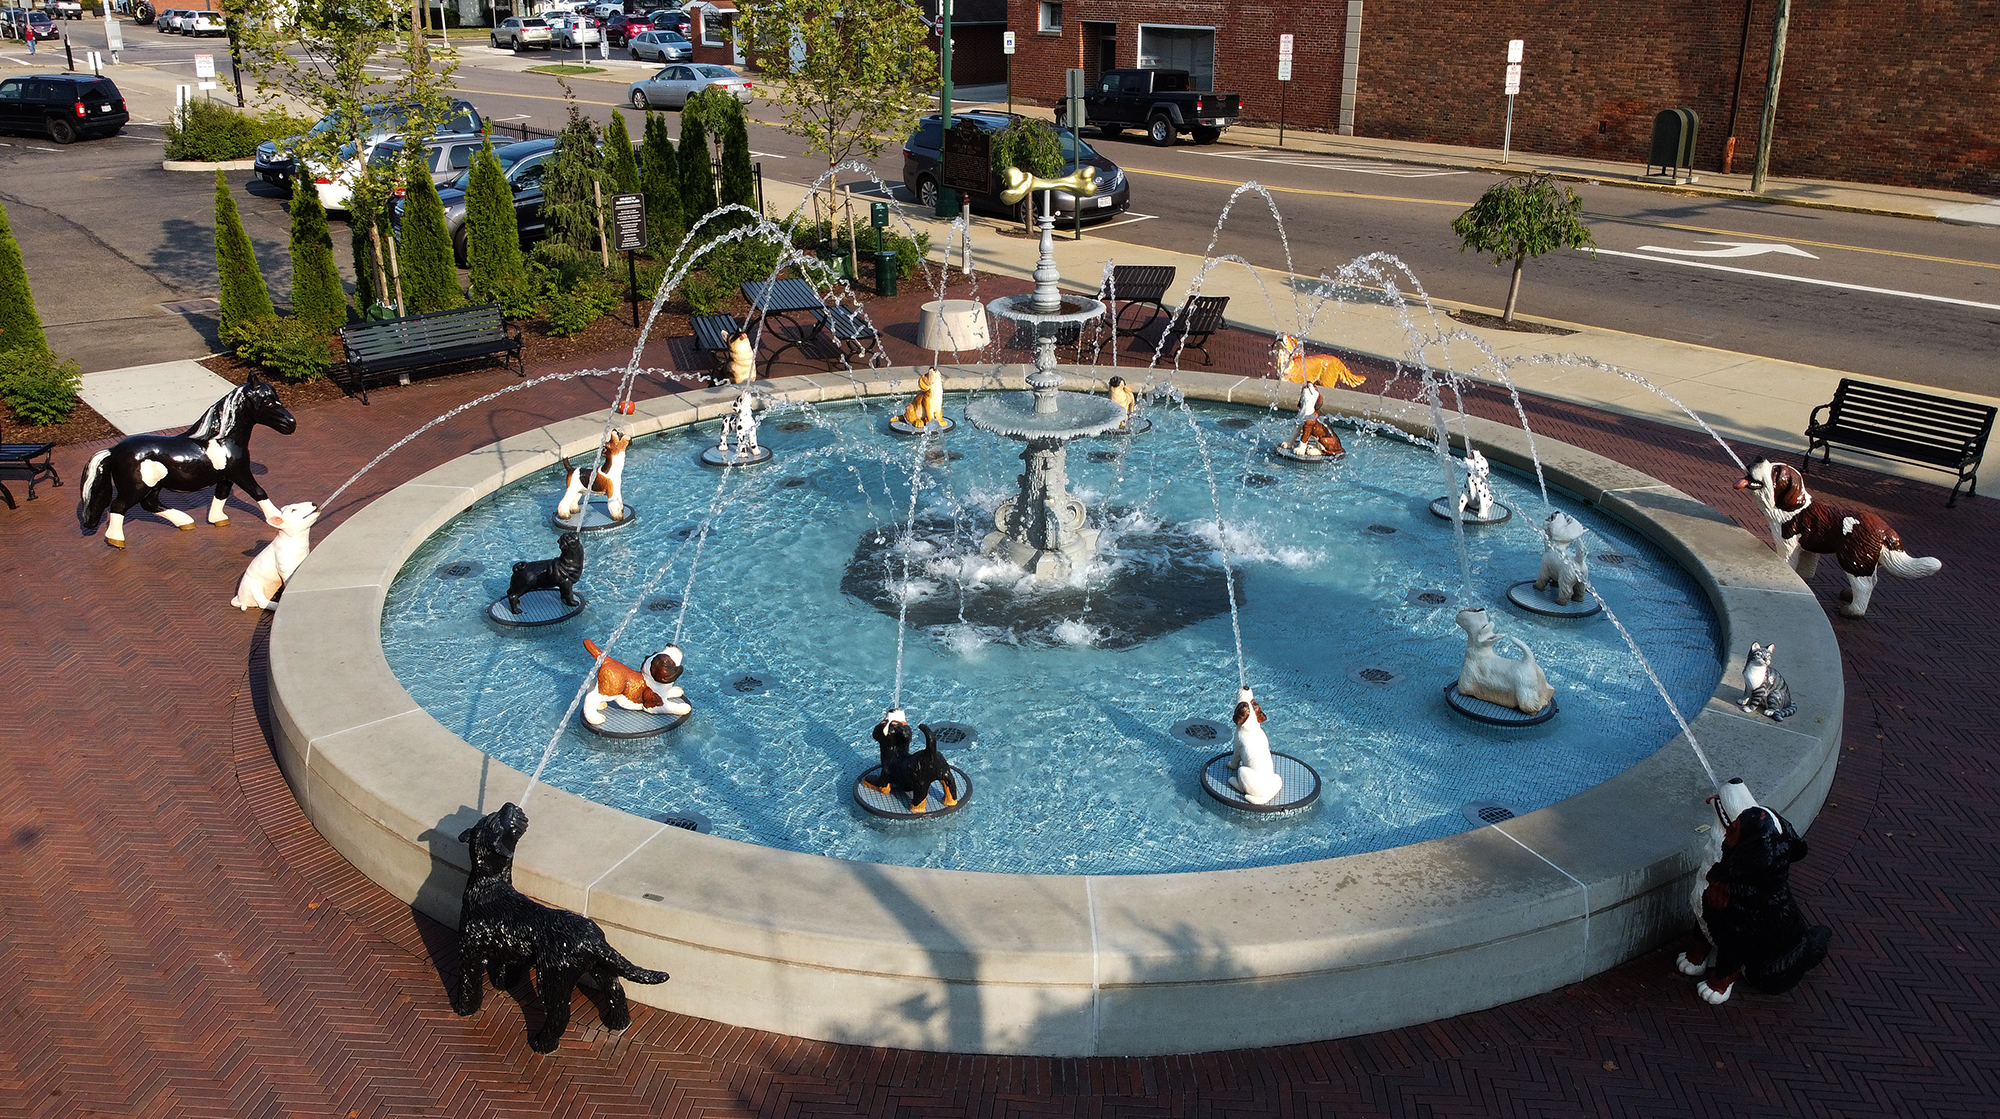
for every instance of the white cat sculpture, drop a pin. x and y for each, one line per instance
(1256, 778)
(272, 568)
(1487, 675)
(1564, 565)
(1478, 496)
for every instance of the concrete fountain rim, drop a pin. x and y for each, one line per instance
(1076, 966)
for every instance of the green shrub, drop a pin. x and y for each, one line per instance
(246, 298)
(742, 261)
(317, 295)
(210, 132)
(492, 233)
(1030, 144)
(573, 309)
(909, 253)
(424, 255)
(289, 348)
(705, 294)
(20, 326)
(38, 388)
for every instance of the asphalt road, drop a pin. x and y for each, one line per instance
(1891, 297)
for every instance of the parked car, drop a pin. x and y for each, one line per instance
(923, 155)
(22, 24)
(1163, 102)
(178, 22)
(574, 30)
(660, 46)
(518, 33)
(274, 161)
(66, 9)
(61, 106)
(672, 19)
(523, 164)
(205, 23)
(621, 27)
(448, 157)
(164, 22)
(671, 87)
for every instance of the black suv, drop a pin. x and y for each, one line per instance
(62, 106)
(276, 163)
(923, 155)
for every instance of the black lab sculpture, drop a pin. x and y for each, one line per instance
(910, 775)
(501, 929)
(558, 574)
(214, 453)
(1760, 935)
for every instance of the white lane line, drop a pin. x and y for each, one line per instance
(1329, 163)
(1801, 279)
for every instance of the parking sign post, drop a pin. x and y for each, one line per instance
(1285, 82)
(1514, 49)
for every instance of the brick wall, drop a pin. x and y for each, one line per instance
(1889, 91)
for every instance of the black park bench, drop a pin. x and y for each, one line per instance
(1196, 322)
(1142, 284)
(32, 457)
(377, 351)
(711, 335)
(1897, 423)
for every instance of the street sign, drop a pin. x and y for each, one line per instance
(204, 66)
(1284, 48)
(1514, 49)
(114, 34)
(1513, 78)
(1006, 42)
(628, 222)
(1284, 69)
(968, 158)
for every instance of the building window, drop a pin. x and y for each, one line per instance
(1051, 16)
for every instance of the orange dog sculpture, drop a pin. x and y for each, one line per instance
(1318, 369)
(928, 405)
(605, 480)
(652, 691)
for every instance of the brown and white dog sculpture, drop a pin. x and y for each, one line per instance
(607, 479)
(652, 691)
(1862, 542)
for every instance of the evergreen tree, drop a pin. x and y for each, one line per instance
(423, 253)
(318, 299)
(697, 169)
(659, 180)
(492, 235)
(20, 327)
(621, 169)
(569, 203)
(246, 300)
(724, 114)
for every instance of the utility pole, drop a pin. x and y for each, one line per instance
(1780, 24)
(947, 199)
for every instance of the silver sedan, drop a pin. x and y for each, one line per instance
(671, 87)
(660, 46)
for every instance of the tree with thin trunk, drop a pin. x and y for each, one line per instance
(246, 300)
(697, 168)
(318, 299)
(621, 168)
(1521, 218)
(424, 256)
(492, 232)
(723, 114)
(659, 180)
(852, 73)
(569, 204)
(20, 326)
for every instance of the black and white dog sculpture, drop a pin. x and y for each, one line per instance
(1756, 931)
(558, 574)
(501, 929)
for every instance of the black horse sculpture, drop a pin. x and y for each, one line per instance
(214, 452)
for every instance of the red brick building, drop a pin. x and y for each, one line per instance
(1889, 91)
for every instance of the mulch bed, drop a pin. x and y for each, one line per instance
(1495, 322)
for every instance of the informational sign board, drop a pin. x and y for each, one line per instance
(628, 222)
(1284, 69)
(968, 158)
(114, 34)
(1514, 50)
(1006, 42)
(1513, 78)
(1284, 48)
(204, 66)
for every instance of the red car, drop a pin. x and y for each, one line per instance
(620, 28)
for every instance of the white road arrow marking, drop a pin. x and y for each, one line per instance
(1731, 248)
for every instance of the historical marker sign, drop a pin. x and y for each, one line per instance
(628, 222)
(968, 158)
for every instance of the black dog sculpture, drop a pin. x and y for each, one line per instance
(1761, 937)
(501, 929)
(558, 574)
(911, 775)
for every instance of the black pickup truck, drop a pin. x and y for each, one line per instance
(1159, 101)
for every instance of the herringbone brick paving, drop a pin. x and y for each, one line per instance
(175, 940)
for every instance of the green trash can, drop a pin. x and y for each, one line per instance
(885, 271)
(838, 258)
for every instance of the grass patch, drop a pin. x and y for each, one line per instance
(565, 68)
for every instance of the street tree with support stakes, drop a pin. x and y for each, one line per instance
(1520, 218)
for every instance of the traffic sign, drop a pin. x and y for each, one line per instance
(1514, 48)
(204, 66)
(1284, 69)
(1513, 78)
(1284, 48)
(1006, 42)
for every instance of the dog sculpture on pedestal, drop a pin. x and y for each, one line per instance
(1861, 542)
(1478, 496)
(1756, 932)
(607, 479)
(503, 930)
(1564, 564)
(1487, 675)
(1315, 439)
(927, 407)
(272, 568)
(558, 574)
(911, 775)
(652, 691)
(1255, 777)
(742, 359)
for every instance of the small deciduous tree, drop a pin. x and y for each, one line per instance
(492, 234)
(318, 299)
(1521, 218)
(424, 255)
(246, 300)
(659, 180)
(697, 169)
(853, 73)
(1033, 146)
(20, 326)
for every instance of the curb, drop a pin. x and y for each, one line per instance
(202, 165)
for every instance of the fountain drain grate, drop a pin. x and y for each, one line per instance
(1382, 530)
(458, 569)
(1259, 481)
(1433, 598)
(662, 605)
(686, 821)
(1486, 812)
(1615, 559)
(1104, 456)
(795, 482)
(795, 426)
(1237, 423)
(1373, 675)
(750, 683)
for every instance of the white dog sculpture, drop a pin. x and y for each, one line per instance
(1478, 496)
(1256, 778)
(1487, 675)
(1564, 564)
(742, 359)
(742, 424)
(272, 568)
